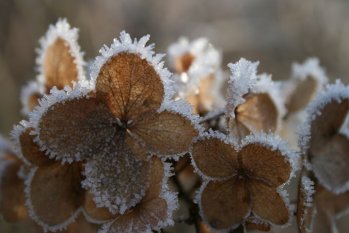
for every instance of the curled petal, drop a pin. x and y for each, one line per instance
(54, 195)
(257, 113)
(76, 129)
(165, 133)
(215, 158)
(267, 203)
(224, 205)
(265, 164)
(130, 86)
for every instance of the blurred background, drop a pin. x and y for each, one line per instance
(275, 32)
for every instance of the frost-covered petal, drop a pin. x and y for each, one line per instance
(75, 129)
(30, 95)
(263, 163)
(12, 199)
(59, 58)
(214, 158)
(306, 204)
(165, 133)
(331, 162)
(30, 150)
(257, 113)
(116, 178)
(327, 123)
(224, 205)
(54, 195)
(267, 203)
(150, 213)
(255, 224)
(130, 86)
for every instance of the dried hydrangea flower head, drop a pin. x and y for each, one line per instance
(116, 123)
(59, 63)
(324, 147)
(54, 196)
(306, 81)
(11, 185)
(153, 212)
(198, 76)
(253, 101)
(244, 180)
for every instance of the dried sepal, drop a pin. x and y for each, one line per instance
(54, 195)
(321, 139)
(306, 81)
(153, 212)
(59, 58)
(306, 208)
(258, 113)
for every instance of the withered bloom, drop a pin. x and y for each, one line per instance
(115, 123)
(241, 181)
(59, 63)
(198, 76)
(325, 150)
(253, 101)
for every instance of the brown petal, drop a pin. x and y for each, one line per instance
(150, 212)
(305, 206)
(31, 151)
(225, 204)
(302, 94)
(94, 212)
(267, 203)
(33, 100)
(265, 164)
(323, 222)
(12, 190)
(55, 192)
(331, 203)
(255, 224)
(214, 158)
(327, 124)
(59, 65)
(130, 86)
(76, 128)
(165, 133)
(258, 113)
(81, 225)
(330, 164)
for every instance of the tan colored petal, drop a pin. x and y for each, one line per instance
(257, 113)
(130, 86)
(327, 124)
(183, 63)
(302, 94)
(31, 151)
(100, 214)
(331, 163)
(77, 128)
(331, 203)
(150, 212)
(267, 203)
(323, 222)
(202, 100)
(59, 65)
(214, 158)
(12, 191)
(255, 224)
(225, 204)
(164, 133)
(55, 192)
(265, 164)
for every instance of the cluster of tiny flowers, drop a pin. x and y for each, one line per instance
(125, 145)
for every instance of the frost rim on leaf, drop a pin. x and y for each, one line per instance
(63, 30)
(28, 90)
(139, 47)
(16, 133)
(54, 228)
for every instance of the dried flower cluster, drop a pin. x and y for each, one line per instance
(119, 148)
